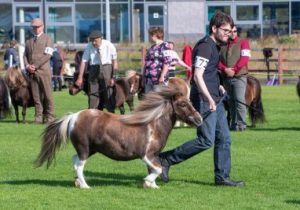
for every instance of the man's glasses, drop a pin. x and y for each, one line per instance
(234, 31)
(36, 26)
(226, 31)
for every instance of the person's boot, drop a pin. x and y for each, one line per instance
(229, 182)
(165, 170)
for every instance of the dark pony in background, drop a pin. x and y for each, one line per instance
(253, 102)
(5, 100)
(298, 87)
(124, 90)
(141, 134)
(20, 91)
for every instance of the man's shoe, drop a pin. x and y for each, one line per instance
(230, 183)
(165, 170)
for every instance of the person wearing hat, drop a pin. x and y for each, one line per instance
(102, 57)
(38, 51)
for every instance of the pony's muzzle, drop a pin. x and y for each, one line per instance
(196, 119)
(73, 90)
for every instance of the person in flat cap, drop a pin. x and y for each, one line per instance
(38, 51)
(101, 55)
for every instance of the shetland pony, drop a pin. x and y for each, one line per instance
(20, 91)
(5, 100)
(253, 102)
(298, 87)
(142, 134)
(125, 89)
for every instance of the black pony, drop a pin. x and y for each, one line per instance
(5, 100)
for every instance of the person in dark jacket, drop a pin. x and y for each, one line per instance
(206, 96)
(11, 58)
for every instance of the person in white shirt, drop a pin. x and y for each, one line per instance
(176, 60)
(102, 57)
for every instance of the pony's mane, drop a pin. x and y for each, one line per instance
(130, 73)
(15, 74)
(153, 106)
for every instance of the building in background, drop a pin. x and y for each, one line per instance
(70, 21)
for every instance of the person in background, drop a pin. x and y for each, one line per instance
(37, 55)
(101, 55)
(175, 60)
(234, 58)
(57, 61)
(187, 59)
(206, 96)
(11, 58)
(157, 61)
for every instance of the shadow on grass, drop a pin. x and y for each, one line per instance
(276, 129)
(100, 179)
(53, 183)
(193, 182)
(13, 121)
(297, 202)
(103, 179)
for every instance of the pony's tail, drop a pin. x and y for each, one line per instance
(257, 113)
(54, 135)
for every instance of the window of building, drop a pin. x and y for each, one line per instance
(295, 17)
(23, 32)
(119, 22)
(213, 9)
(138, 23)
(60, 14)
(61, 34)
(88, 18)
(251, 31)
(6, 22)
(275, 18)
(60, 23)
(26, 14)
(247, 13)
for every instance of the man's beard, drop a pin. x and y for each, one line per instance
(220, 41)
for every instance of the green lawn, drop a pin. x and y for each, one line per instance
(267, 158)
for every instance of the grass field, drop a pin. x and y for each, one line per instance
(267, 158)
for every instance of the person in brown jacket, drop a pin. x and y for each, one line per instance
(38, 51)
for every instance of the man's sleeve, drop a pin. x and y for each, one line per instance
(202, 56)
(86, 55)
(113, 52)
(221, 66)
(245, 56)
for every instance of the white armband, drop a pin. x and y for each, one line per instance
(49, 50)
(201, 62)
(246, 52)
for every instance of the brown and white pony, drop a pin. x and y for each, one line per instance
(142, 134)
(20, 91)
(125, 89)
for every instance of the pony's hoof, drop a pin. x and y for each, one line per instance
(79, 185)
(151, 185)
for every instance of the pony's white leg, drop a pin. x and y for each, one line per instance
(80, 181)
(155, 172)
(75, 161)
